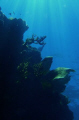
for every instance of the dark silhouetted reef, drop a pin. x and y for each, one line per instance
(29, 90)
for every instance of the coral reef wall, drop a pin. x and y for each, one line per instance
(28, 89)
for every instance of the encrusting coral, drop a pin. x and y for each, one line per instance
(29, 89)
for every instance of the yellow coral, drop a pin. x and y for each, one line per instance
(62, 72)
(23, 69)
(38, 69)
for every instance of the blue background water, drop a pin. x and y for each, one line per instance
(59, 21)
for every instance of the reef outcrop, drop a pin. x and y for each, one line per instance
(29, 90)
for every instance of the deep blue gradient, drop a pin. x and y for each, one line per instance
(59, 21)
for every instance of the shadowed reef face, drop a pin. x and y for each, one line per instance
(29, 89)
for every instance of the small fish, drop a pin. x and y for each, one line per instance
(10, 14)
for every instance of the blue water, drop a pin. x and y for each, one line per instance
(59, 21)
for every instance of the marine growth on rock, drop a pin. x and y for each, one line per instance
(29, 90)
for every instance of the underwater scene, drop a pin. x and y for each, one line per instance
(39, 66)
